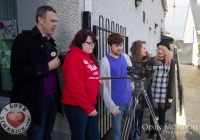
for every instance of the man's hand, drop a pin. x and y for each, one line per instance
(54, 64)
(63, 53)
(117, 112)
(93, 113)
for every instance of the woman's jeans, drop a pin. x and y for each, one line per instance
(117, 123)
(82, 126)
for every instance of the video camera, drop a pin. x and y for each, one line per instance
(142, 69)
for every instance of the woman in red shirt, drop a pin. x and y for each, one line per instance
(80, 93)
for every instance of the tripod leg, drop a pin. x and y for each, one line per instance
(136, 124)
(141, 112)
(155, 119)
(129, 119)
(137, 118)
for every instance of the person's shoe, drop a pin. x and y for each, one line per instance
(151, 136)
(158, 137)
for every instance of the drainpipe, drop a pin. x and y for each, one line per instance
(88, 8)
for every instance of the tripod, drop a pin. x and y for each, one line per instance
(137, 94)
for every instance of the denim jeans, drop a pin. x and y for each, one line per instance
(82, 126)
(43, 131)
(117, 123)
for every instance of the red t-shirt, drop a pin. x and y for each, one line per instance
(78, 89)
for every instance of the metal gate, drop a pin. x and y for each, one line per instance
(102, 32)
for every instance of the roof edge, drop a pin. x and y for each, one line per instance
(164, 4)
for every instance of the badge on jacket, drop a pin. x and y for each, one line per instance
(53, 54)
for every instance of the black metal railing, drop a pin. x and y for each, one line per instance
(102, 32)
(179, 86)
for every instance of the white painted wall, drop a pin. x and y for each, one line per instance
(70, 20)
(122, 12)
(126, 14)
(190, 36)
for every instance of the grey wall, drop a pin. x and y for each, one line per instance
(126, 14)
(69, 22)
(184, 52)
(26, 10)
(69, 16)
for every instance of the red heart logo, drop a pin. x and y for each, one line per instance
(15, 119)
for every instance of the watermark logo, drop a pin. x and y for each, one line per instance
(15, 118)
(172, 129)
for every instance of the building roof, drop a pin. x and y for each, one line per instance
(195, 6)
(164, 4)
(166, 33)
(166, 38)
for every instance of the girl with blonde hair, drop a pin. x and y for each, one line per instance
(163, 85)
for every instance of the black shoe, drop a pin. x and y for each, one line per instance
(158, 137)
(151, 136)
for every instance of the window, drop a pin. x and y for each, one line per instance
(8, 13)
(143, 16)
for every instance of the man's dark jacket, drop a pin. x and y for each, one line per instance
(29, 65)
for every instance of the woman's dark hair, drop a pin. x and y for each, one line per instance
(81, 37)
(136, 50)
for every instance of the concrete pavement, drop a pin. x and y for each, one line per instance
(191, 90)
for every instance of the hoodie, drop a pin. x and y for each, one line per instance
(78, 89)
